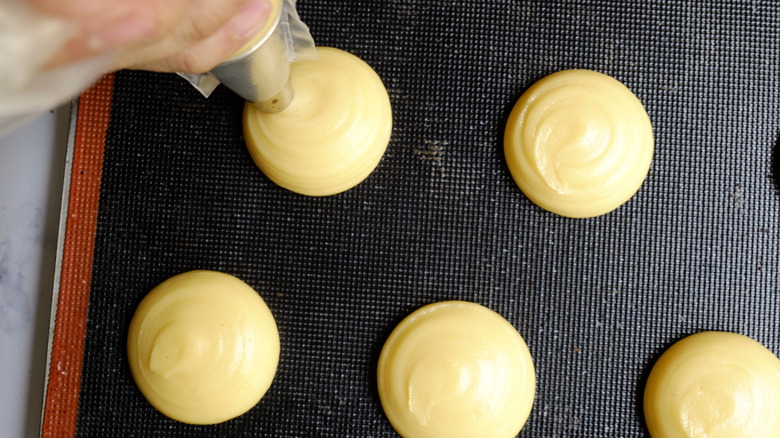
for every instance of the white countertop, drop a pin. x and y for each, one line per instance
(32, 164)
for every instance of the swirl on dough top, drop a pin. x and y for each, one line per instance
(714, 384)
(578, 143)
(203, 347)
(456, 369)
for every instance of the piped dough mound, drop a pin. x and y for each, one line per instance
(715, 385)
(203, 347)
(578, 143)
(456, 369)
(334, 132)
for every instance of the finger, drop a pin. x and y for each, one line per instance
(206, 17)
(203, 19)
(136, 24)
(82, 10)
(141, 23)
(208, 52)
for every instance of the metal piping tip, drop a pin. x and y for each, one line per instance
(261, 75)
(279, 101)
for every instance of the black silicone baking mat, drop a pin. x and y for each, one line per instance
(597, 300)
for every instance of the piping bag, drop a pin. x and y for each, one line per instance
(260, 71)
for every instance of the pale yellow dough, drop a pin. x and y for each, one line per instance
(203, 347)
(578, 143)
(456, 369)
(714, 385)
(334, 132)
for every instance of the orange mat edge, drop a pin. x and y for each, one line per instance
(61, 400)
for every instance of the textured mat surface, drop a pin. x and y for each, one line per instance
(597, 300)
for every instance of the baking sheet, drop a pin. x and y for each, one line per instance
(597, 300)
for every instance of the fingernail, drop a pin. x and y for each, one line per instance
(251, 19)
(127, 29)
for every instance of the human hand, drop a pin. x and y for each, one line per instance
(159, 35)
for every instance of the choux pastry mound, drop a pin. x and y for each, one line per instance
(203, 347)
(714, 385)
(456, 369)
(334, 132)
(578, 143)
